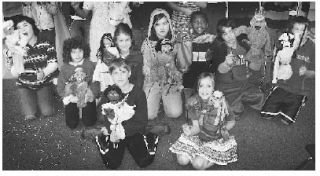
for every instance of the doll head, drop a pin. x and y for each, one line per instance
(205, 85)
(113, 94)
(258, 20)
(164, 46)
(106, 40)
(72, 49)
(199, 22)
(78, 76)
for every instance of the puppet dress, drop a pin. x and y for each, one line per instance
(209, 142)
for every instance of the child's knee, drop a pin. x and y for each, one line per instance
(183, 159)
(200, 163)
(47, 111)
(174, 112)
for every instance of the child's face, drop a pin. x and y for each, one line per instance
(25, 29)
(199, 24)
(206, 88)
(124, 42)
(298, 29)
(120, 76)
(76, 55)
(162, 28)
(228, 35)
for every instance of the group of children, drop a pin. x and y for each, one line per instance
(217, 81)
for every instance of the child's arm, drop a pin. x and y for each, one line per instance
(61, 82)
(147, 57)
(191, 130)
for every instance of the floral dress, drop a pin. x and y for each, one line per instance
(209, 143)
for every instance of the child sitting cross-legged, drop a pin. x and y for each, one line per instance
(207, 141)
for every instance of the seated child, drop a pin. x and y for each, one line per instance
(206, 141)
(124, 105)
(75, 84)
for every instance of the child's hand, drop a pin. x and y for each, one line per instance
(67, 89)
(186, 129)
(302, 70)
(229, 59)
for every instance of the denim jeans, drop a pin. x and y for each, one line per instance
(31, 100)
(172, 102)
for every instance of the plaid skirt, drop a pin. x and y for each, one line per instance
(217, 151)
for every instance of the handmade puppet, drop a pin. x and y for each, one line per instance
(15, 48)
(282, 68)
(116, 110)
(77, 90)
(259, 41)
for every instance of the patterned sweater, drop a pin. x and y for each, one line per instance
(38, 57)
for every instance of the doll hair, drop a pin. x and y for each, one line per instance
(163, 42)
(118, 63)
(20, 18)
(75, 43)
(102, 47)
(199, 13)
(153, 35)
(113, 93)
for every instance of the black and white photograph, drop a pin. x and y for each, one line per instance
(159, 86)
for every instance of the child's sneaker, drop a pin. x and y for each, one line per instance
(103, 144)
(151, 140)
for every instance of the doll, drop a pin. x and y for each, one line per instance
(77, 90)
(116, 110)
(16, 48)
(282, 68)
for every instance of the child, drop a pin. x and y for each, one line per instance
(105, 54)
(126, 124)
(200, 46)
(162, 78)
(38, 65)
(289, 95)
(232, 74)
(206, 141)
(75, 83)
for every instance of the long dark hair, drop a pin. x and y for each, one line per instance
(102, 47)
(153, 35)
(75, 43)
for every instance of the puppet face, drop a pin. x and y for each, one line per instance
(162, 28)
(79, 75)
(113, 96)
(206, 87)
(106, 42)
